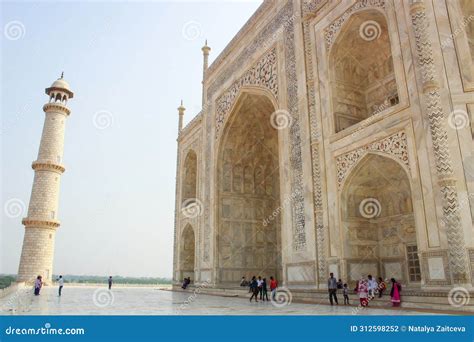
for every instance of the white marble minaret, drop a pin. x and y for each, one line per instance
(42, 220)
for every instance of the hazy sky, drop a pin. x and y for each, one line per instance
(129, 64)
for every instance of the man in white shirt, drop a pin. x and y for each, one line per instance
(372, 286)
(61, 284)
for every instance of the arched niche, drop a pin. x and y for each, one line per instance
(248, 192)
(378, 225)
(361, 70)
(189, 187)
(187, 252)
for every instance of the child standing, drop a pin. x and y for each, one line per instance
(345, 292)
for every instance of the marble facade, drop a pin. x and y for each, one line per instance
(335, 136)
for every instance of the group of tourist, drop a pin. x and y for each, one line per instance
(259, 287)
(39, 284)
(366, 288)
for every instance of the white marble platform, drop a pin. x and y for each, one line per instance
(88, 300)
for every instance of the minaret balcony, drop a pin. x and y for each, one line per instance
(56, 106)
(32, 222)
(48, 166)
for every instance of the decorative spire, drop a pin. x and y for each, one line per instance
(181, 110)
(205, 49)
(205, 64)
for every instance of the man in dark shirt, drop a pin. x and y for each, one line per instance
(332, 288)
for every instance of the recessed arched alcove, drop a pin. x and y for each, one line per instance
(378, 224)
(361, 70)
(189, 177)
(248, 190)
(187, 252)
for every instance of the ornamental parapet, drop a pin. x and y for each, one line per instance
(29, 222)
(56, 106)
(47, 166)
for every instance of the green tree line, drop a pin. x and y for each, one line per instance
(7, 279)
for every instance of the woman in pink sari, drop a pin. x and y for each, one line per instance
(395, 292)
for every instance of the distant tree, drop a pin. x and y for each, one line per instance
(117, 280)
(6, 280)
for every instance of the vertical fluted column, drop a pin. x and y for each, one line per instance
(437, 122)
(42, 220)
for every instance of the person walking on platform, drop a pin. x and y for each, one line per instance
(254, 288)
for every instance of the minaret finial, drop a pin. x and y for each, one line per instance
(205, 64)
(62, 74)
(181, 110)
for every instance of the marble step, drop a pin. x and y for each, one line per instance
(414, 299)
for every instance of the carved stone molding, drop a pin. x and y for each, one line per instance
(471, 261)
(426, 270)
(332, 30)
(310, 7)
(296, 159)
(315, 136)
(56, 107)
(263, 74)
(47, 166)
(40, 223)
(395, 145)
(458, 257)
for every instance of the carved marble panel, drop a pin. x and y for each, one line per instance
(263, 74)
(395, 145)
